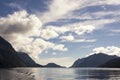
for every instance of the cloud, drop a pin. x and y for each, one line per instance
(82, 29)
(19, 29)
(76, 28)
(95, 13)
(71, 38)
(90, 20)
(48, 34)
(63, 61)
(85, 40)
(20, 23)
(115, 30)
(60, 47)
(40, 45)
(59, 32)
(111, 2)
(58, 9)
(58, 29)
(92, 12)
(67, 38)
(110, 50)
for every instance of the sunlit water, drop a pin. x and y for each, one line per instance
(60, 74)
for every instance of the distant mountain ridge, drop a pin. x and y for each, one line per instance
(94, 60)
(53, 65)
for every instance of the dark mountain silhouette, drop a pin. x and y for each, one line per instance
(94, 60)
(114, 63)
(28, 60)
(8, 56)
(53, 65)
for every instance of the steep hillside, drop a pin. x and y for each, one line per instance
(94, 60)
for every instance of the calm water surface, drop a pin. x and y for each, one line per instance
(60, 74)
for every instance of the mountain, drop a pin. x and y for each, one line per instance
(53, 65)
(28, 60)
(94, 60)
(8, 56)
(114, 63)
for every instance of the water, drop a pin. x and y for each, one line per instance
(60, 74)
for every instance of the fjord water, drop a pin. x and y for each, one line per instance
(60, 74)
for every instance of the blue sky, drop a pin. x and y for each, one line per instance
(61, 31)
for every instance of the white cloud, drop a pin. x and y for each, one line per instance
(38, 46)
(51, 32)
(95, 17)
(24, 24)
(19, 27)
(71, 38)
(85, 40)
(58, 9)
(58, 29)
(82, 29)
(67, 38)
(48, 34)
(61, 8)
(110, 50)
(63, 61)
(109, 2)
(60, 47)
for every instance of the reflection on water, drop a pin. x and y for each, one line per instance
(60, 74)
(16, 74)
(98, 74)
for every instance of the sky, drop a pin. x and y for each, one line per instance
(61, 31)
